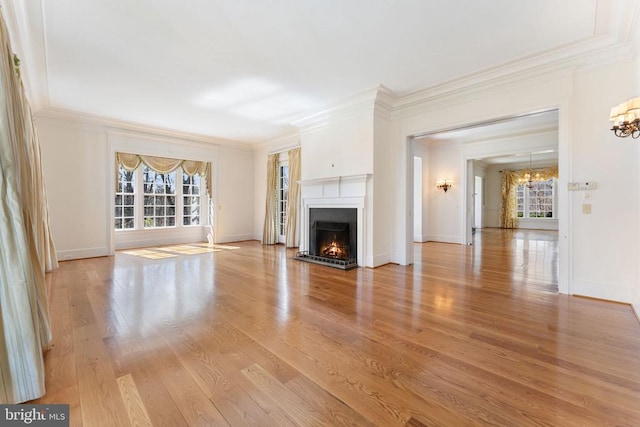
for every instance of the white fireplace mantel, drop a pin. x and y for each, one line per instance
(335, 192)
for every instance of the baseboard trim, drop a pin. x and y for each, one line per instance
(82, 253)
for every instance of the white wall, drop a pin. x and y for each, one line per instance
(598, 252)
(604, 247)
(78, 160)
(422, 152)
(77, 178)
(341, 147)
(445, 209)
(417, 199)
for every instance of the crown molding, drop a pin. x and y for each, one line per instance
(279, 144)
(368, 101)
(114, 125)
(588, 53)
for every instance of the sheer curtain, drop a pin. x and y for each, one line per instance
(293, 235)
(27, 250)
(270, 231)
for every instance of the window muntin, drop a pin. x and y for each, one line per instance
(536, 202)
(159, 190)
(125, 200)
(190, 199)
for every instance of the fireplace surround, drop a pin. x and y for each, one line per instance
(345, 195)
(333, 237)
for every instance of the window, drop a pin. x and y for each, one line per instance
(538, 201)
(146, 199)
(159, 198)
(125, 198)
(191, 199)
(283, 193)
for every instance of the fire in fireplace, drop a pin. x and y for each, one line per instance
(332, 237)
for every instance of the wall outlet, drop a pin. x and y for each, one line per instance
(586, 208)
(573, 186)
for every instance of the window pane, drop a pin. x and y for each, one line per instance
(129, 223)
(148, 211)
(190, 199)
(171, 221)
(159, 222)
(124, 196)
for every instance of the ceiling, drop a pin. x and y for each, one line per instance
(243, 69)
(528, 124)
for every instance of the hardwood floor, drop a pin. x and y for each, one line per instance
(468, 335)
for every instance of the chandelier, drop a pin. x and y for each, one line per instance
(626, 119)
(529, 176)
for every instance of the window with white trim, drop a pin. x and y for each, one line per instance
(162, 203)
(538, 201)
(159, 190)
(125, 200)
(283, 194)
(190, 199)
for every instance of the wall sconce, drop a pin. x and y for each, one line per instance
(626, 119)
(443, 184)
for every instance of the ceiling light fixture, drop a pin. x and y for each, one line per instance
(626, 119)
(528, 176)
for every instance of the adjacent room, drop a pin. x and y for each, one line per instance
(320, 213)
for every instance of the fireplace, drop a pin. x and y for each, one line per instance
(333, 237)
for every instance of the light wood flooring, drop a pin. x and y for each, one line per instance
(468, 335)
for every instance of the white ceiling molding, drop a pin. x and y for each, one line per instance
(80, 120)
(242, 70)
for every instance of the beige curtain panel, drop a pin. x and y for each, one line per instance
(270, 230)
(27, 248)
(510, 181)
(293, 205)
(131, 162)
(508, 211)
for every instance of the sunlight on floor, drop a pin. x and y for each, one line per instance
(174, 251)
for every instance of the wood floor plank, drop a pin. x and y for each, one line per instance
(133, 403)
(467, 335)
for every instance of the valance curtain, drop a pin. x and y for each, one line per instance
(510, 182)
(270, 230)
(165, 165)
(293, 236)
(27, 250)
